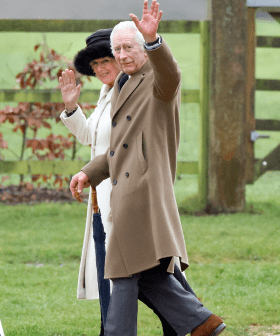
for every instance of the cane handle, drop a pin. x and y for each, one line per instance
(78, 197)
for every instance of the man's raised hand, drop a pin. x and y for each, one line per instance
(148, 25)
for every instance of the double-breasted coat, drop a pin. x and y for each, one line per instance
(141, 163)
(94, 131)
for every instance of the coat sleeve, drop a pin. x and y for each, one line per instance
(166, 71)
(78, 125)
(97, 169)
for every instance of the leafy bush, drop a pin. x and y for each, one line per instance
(39, 74)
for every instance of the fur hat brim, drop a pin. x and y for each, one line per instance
(94, 51)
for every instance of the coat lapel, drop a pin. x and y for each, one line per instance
(119, 98)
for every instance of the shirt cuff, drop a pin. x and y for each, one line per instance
(154, 45)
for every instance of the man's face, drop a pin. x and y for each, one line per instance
(128, 53)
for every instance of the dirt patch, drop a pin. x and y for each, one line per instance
(27, 194)
(258, 330)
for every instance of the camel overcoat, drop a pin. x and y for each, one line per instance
(141, 163)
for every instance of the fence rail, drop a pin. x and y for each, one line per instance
(268, 42)
(268, 85)
(68, 167)
(54, 96)
(74, 26)
(267, 125)
(270, 162)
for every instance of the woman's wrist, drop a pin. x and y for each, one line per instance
(70, 108)
(70, 111)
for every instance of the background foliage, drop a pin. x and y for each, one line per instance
(29, 118)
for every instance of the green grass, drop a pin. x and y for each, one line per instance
(234, 265)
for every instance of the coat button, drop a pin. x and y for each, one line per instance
(114, 182)
(125, 145)
(127, 174)
(112, 153)
(114, 124)
(128, 118)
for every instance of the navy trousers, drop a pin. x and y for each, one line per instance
(179, 307)
(166, 327)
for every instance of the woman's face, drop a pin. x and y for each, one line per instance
(106, 70)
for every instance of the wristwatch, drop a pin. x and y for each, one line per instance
(153, 45)
(69, 113)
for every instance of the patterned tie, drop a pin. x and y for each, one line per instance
(122, 81)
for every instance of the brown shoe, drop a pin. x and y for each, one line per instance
(213, 326)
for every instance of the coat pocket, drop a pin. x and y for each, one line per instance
(140, 152)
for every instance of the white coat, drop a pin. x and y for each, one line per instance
(94, 131)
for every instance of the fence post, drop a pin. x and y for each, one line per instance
(227, 153)
(205, 43)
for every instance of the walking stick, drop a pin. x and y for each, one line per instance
(99, 237)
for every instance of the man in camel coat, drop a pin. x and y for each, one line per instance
(146, 235)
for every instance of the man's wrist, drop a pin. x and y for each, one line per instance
(153, 45)
(152, 40)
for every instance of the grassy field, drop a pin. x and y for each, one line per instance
(234, 265)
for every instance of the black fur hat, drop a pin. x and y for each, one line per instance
(98, 46)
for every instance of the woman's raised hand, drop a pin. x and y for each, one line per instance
(69, 90)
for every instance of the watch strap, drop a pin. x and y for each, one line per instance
(69, 113)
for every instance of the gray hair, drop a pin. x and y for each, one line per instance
(128, 25)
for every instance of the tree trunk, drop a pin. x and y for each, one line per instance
(227, 156)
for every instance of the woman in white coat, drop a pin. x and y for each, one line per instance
(96, 60)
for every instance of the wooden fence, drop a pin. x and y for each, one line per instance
(70, 167)
(187, 96)
(272, 160)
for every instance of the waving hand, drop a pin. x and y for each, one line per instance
(148, 25)
(70, 92)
